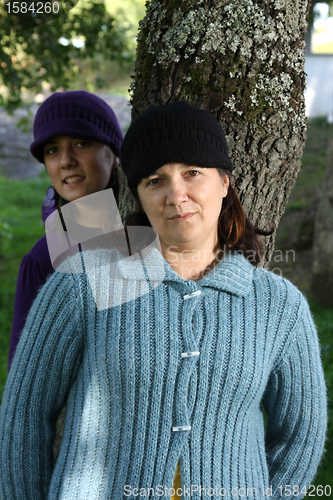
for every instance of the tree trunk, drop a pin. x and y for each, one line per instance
(243, 61)
(322, 277)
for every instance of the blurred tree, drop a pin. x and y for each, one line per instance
(128, 13)
(328, 2)
(312, 18)
(243, 60)
(52, 51)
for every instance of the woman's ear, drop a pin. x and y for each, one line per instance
(140, 205)
(137, 197)
(225, 185)
(114, 160)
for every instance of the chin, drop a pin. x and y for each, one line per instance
(183, 241)
(69, 197)
(74, 195)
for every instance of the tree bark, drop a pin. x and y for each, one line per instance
(242, 60)
(322, 277)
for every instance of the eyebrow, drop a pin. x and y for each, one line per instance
(152, 175)
(186, 165)
(49, 143)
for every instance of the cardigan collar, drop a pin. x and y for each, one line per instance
(233, 274)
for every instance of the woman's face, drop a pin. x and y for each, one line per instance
(183, 204)
(77, 167)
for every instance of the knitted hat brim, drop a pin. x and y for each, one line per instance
(82, 131)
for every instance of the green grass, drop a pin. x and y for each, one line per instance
(20, 208)
(298, 204)
(314, 157)
(308, 184)
(323, 318)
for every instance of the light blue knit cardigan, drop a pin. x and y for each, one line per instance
(140, 397)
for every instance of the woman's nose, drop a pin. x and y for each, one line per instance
(68, 158)
(176, 192)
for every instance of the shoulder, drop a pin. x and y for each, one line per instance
(39, 252)
(235, 274)
(283, 298)
(284, 313)
(276, 284)
(35, 267)
(63, 288)
(284, 303)
(97, 264)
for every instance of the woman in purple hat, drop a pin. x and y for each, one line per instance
(77, 136)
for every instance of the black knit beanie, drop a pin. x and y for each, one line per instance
(176, 132)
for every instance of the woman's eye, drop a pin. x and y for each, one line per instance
(194, 172)
(152, 181)
(51, 151)
(83, 144)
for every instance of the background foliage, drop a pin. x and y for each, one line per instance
(69, 49)
(108, 28)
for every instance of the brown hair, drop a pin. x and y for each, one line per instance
(236, 229)
(236, 232)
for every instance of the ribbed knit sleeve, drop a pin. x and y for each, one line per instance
(46, 362)
(295, 402)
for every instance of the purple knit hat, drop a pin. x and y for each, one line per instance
(78, 114)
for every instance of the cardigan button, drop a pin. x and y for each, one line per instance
(189, 354)
(181, 428)
(191, 295)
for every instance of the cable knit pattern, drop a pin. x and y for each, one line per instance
(126, 385)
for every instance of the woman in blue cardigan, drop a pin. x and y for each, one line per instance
(77, 136)
(167, 357)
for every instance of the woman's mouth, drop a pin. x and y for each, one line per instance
(74, 179)
(182, 217)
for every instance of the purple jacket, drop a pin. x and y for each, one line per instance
(34, 270)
